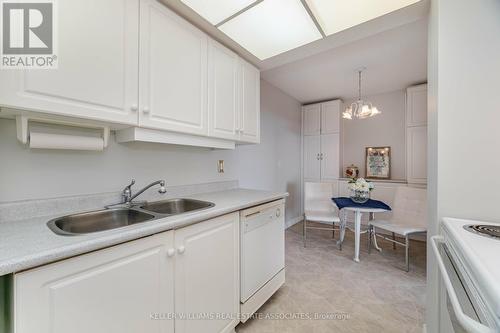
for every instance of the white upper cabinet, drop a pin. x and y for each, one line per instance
(330, 117)
(223, 103)
(416, 105)
(249, 116)
(173, 72)
(114, 290)
(96, 76)
(312, 119)
(135, 62)
(207, 274)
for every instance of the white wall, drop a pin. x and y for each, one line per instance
(31, 174)
(465, 114)
(275, 163)
(386, 129)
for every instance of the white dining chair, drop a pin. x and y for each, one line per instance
(318, 207)
(409, 218)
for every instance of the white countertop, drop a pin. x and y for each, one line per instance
(482, 258)
(29, 243)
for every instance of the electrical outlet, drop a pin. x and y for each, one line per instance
(220, 166)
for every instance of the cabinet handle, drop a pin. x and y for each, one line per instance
(278, 212)
(321, 156)
(170, 253)
(252, 214)
(181, 250)
(145, 109)
(317, 157)
(133, 107)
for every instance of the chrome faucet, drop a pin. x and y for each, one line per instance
(128, 197)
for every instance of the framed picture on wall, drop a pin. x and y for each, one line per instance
(378, 162)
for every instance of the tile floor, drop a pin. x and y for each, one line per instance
(375, 294)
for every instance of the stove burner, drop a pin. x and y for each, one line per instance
(488, 230)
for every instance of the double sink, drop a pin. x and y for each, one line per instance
(112, 218)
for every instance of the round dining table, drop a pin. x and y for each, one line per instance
(371, 207)
(358, 214)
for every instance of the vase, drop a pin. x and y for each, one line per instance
(360, 196)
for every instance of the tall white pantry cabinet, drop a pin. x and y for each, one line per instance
(416, 134)
(321, 140)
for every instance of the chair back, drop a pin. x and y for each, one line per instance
(410, 206)
(318, 197)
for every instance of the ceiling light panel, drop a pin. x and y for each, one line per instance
(216, 11)
(272, 27)
(338, 15)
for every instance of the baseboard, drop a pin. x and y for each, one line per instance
(293, 221)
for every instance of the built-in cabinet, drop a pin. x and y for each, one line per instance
(416, 134)
(321, 140)
(207, 274)
(172, 73)
(234, 96)
(138, 63)
(138, 286)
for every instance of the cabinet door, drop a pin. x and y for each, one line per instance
(173, 72)
(115, 290)
(312, 150)
(97, 69)
(416, 154)
(249, 122)
(312, 119)
(329, 156)
(207, 274)
(416, 105)
(330, 117)
(223, 87)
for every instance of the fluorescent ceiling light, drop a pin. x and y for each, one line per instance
(216, 11)
(272, 27)
(338, 15)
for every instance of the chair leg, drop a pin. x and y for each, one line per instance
(369, 239)
(407, 253)
(393, 238)
(304, 232)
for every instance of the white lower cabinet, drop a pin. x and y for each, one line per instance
(113, 290)
(207, 275)
(139, 285)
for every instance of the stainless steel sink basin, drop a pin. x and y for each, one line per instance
(176, 206)
(100, 220)
(112, 218)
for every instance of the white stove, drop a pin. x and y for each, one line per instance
(468, 255)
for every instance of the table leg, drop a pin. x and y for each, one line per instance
(343, 221)
(357, 234)
(372, 234)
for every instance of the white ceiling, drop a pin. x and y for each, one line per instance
(395, 59)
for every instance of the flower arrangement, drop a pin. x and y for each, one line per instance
(360, 190)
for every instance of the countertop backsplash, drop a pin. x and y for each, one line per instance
(22, 210)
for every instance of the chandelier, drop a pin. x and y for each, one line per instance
(360, 109)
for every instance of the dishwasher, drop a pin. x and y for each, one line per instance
(262, 264)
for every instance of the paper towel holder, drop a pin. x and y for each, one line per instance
(23, 132)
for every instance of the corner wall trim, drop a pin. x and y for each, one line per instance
(293, 221)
